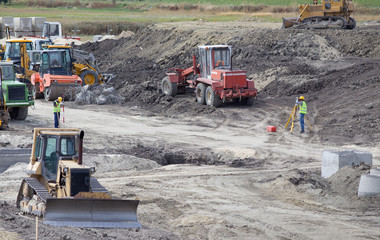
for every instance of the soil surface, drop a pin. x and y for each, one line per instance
(216, 173)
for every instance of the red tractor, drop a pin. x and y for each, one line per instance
(214, 80)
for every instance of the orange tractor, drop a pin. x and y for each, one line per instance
(215, 81)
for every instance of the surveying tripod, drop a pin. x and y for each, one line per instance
(293, 117)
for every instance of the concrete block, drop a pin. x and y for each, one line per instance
(38, 23)
(374, 171)
(369, 185)
(97, 37)
(6, 22)
(23, 24)
(333, 160)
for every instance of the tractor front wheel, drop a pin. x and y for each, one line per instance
(200, 93)
(169, 88)
(212, 99)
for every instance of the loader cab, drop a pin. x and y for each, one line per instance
(50, 148)
(215, 57)
(55, 62)
(12, 49)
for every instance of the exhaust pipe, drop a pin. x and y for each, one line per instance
(80, 157)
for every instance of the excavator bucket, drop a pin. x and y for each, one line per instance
(289, 22)
(92, 213)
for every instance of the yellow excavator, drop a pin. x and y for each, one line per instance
(334, 14)
(62, 190)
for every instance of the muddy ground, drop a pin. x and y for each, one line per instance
(206, 173)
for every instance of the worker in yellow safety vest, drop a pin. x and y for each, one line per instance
(57, 111)
(303, 111)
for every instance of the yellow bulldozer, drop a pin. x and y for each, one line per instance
(334, 14)
(62, 190)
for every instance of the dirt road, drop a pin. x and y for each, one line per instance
(233, 179)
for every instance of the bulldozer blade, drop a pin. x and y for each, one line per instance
(92, 213)
(289, 22)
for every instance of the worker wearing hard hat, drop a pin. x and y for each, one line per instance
(303, 111)
(57, 111)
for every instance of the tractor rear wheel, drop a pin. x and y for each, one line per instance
(169, 88)
(200, 93)
(89, 77)
(212, 99)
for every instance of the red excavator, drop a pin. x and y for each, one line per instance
(214, 79)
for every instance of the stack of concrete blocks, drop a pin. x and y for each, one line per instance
(6, 22)
(38, 25)
(23, 27)
(370, 184)
(333, 160)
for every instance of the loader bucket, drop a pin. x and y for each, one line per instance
(92, 213)
(289, 22)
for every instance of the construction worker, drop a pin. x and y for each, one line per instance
(303, 111)
(57, 111)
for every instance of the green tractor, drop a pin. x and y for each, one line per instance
(15, 97)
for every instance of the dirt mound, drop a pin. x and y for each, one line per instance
(340, 191)
(329, 67)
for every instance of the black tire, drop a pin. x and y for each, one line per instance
(212, 99)
(37, 95)
(351, 23)
(168, 88)
(248, 101)
(47, 94)
(200, 93)
(22, 113)
(89, 77)
(18, 113)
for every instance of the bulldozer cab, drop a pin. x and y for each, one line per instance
(332, 5)
(52, 147)
(55, 62)
(214, 57)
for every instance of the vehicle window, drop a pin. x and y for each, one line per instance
(8, 73)
(37, 148)
(45, 61)
(50, 155)
(54, 30)
(67, 146)
(36, 57)
(222, 58)
(55, 60)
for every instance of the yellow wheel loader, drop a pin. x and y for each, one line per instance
(83, 63)
(62, 190)
(334, 14)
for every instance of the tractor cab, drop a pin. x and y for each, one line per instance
(216, 57)
(50, 147)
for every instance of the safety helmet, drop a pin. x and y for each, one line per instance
(302, 98)
(59, 99)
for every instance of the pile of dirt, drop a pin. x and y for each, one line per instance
(334, 69)
(338, 191)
